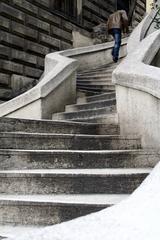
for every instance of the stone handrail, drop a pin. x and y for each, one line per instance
(33, 103)
(138, 92)
(136, 35)
(57, 86)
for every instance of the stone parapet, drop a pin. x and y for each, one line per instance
(138, 92)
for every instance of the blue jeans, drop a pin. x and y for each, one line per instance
(116, 33)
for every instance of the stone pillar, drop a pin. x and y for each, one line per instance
(79, 10)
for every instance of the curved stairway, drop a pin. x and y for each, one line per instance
(53, 171)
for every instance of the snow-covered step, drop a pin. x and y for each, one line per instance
(51, 209)
(72, 181)
(51, 159)
(104, 96)
(10, 230)
(91, 105)
(84, 113)
(67, 141)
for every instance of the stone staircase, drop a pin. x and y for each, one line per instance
(53, 171)
(96, 102)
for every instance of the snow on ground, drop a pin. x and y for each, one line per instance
(138, 218)
(8, 230)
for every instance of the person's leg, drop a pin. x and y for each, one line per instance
(116, 33)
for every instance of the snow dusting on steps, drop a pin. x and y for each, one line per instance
(134, 218)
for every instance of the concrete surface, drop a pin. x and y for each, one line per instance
(138, 92)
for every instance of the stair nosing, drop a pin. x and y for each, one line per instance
(104, 172)
(94, 102)
(68, 199)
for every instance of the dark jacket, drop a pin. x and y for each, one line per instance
(118, 19)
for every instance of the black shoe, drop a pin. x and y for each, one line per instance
(115, 59)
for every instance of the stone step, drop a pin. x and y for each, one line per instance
(85, 93)
(52, 209)
(97, 85)
(102, 128)
(95, 74)
(98, 89)
(84, 113)
(48, 126)
(108, 119)
(67, 141)
(91, 105)
(105, 71)
(102, 68)
(95, 77)
(56, 159)
(94, 82)
(72, 181)
(104, 96)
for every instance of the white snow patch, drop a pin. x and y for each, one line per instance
(138, 218)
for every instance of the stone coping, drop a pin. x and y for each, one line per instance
(135, 71)
(136, 35)
(91, 49)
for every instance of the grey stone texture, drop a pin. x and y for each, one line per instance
(137, 91)
(41, 159)
(54, 171)
(70, 181)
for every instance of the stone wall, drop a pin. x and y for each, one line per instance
(27, 33)
(140, 10)
(96, 11)
(31, 29)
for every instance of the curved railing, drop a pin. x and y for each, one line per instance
(58, 83)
